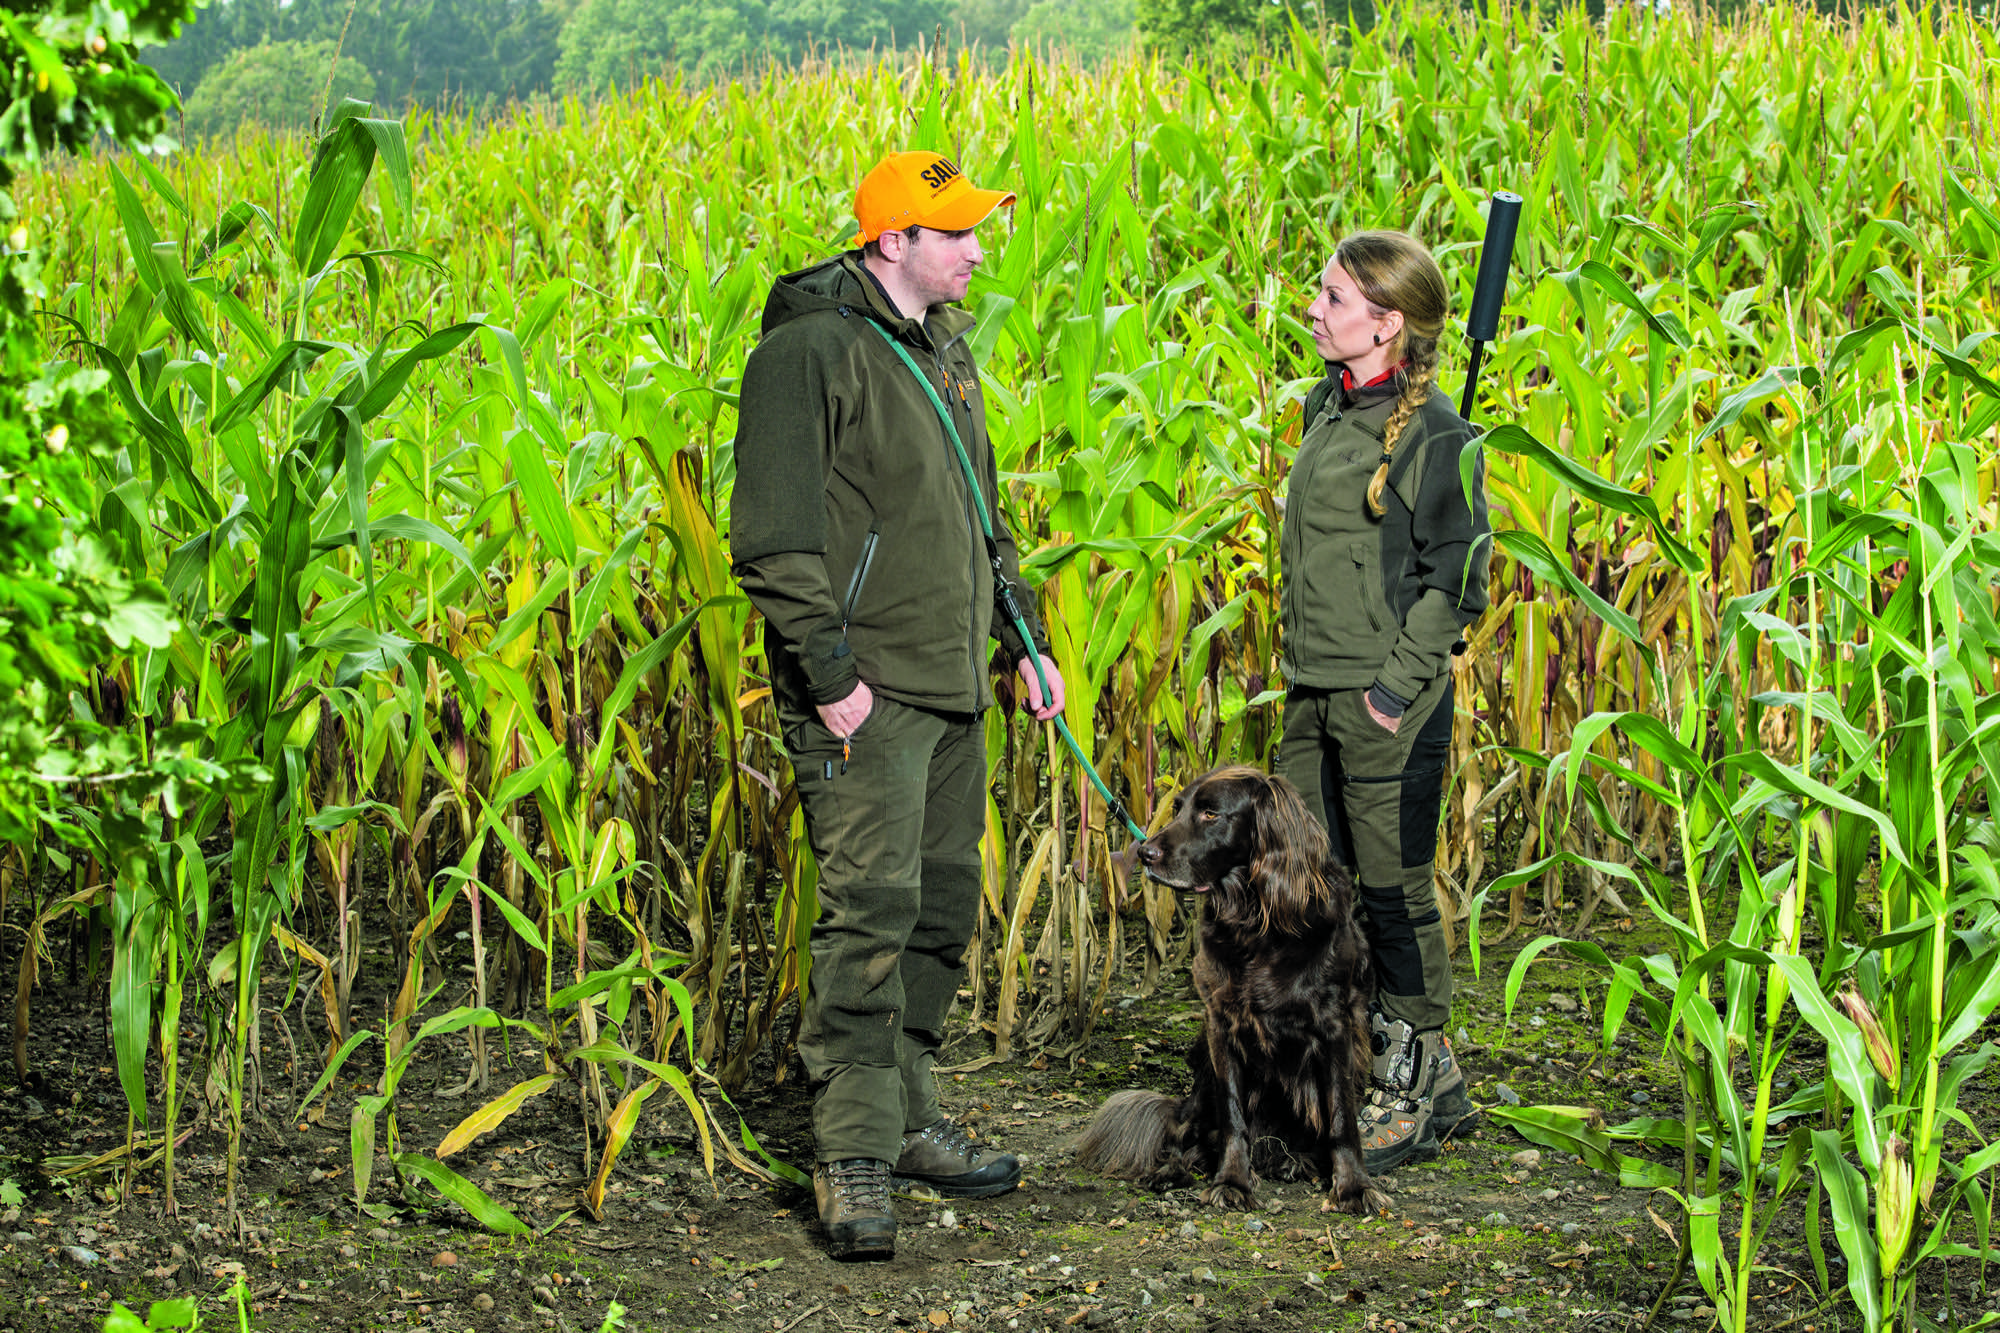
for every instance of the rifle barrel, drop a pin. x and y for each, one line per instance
(1496, 255)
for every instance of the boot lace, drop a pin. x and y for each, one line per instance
(947, 1135)
(862, 1184)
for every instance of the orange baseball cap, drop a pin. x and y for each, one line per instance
(921, 190)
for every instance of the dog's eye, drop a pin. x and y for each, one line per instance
(1207, 816)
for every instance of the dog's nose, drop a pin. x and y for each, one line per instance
(1148, 853)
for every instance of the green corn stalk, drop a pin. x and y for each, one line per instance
(1139, 335)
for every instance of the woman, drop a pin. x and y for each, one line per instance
(1383, 557)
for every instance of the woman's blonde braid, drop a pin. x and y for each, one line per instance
(1418, 374)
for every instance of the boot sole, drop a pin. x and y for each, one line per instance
(861, 1249)
(920, 1185)
(1383, 1160)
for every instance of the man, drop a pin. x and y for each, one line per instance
(855, 532)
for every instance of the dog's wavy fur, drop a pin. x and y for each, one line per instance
(1284, 979)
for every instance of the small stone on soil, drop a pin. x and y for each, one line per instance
(1527, 1160)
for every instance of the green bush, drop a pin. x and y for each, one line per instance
(281, 84)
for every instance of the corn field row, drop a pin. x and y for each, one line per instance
(430, 456)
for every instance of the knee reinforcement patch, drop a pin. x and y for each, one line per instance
(1392, 935)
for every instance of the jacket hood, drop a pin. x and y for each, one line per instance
(840, 283)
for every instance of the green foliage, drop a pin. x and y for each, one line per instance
(1739, 666)
(617, 43)
(1089, 30)
(1193, 25)
(161, 1317)
(855, 24)
(74, 75)
(986, 23)
(67, 604)
(477, 52)
(279, 84)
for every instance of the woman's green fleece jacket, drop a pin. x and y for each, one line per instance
(1379, 601)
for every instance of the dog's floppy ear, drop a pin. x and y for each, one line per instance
(1289, 868)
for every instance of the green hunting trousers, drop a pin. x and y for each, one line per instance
(1379, 793)
(895, 827)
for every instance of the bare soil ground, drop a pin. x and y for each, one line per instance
(1494, 1234)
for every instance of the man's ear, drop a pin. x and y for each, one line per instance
(892, 243)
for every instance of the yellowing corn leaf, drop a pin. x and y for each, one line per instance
(612, 850)
(617, 1131)
(329, 994)
(489, 1116)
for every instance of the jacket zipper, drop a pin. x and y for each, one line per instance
(860, 577)
(1332, 414)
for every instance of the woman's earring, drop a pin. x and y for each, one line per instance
(1378, 340)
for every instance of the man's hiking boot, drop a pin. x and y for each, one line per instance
(944, 1158)
(1418, 1096)
(854, 1208)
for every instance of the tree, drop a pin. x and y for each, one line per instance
(1178, 25)
(854, 24)
(986, 23)
(477, 51)
(279, 84)
(205, 42)
(1087, 29)
(480, 51)
(616, 43)
(67, 600)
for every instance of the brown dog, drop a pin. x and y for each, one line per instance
(1284, 979)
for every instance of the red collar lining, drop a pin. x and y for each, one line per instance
(1347, 377)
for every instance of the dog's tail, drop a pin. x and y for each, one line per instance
(1129, 1137)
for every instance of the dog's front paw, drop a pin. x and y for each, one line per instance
(1230, 1194)
(1365, 1202)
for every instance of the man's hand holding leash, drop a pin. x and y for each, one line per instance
(1032, 689)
